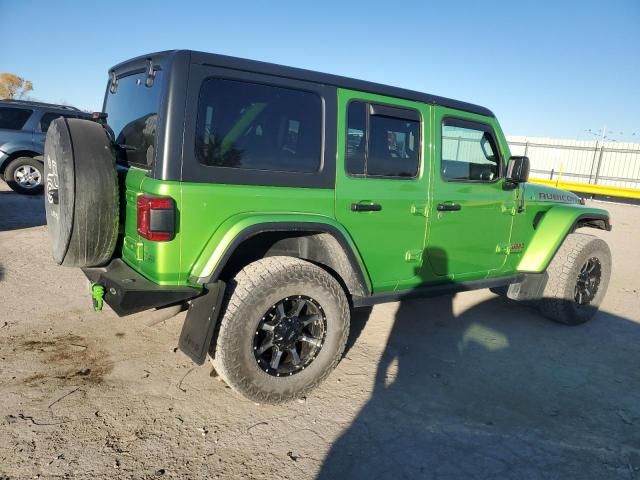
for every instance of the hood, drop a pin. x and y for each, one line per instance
(541, 193)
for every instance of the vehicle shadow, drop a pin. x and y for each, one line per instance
(20, 211)
(496, 391)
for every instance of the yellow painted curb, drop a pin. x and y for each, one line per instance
(589, 188)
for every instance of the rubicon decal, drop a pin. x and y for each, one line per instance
(555, 197)
(517, 246)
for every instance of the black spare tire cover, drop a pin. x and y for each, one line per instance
(81, 193)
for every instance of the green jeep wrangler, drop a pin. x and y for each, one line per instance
(270, 201)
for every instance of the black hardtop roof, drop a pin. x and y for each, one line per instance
(42, 105)
(273, 69)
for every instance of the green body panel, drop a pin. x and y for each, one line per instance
(158, 261)
(213, 214)
(471, 243)
(561, 211)
(391, 240)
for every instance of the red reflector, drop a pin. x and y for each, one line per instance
(156, 218)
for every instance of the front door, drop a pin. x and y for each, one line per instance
(472, 211)
(381, 185)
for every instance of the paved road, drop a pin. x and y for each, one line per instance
(462, 387)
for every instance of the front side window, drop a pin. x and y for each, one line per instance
(469, 152)
(255, 126)
(14, 118)
(382, 141)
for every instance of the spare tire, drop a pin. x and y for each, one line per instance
(81, 193)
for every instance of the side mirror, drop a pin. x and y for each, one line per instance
(518, 170)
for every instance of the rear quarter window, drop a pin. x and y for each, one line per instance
(255, 126)
(14, 118)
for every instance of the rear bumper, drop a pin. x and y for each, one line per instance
(127, 292)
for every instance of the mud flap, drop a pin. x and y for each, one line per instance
(202, 317)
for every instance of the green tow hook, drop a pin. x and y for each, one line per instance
(97, 296)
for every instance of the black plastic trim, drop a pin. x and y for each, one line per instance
(311, 76)
(286, 227)
(592, 216)
(127, 292)
(404, 113)
(434, 290)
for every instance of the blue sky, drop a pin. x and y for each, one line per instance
(550, 68)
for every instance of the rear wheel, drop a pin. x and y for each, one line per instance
(25, 175)
(283, 331)
(578, 280)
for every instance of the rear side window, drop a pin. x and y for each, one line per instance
(256, 126)
(469, 152)
(14, 118)
(49, 117)
(382, 141)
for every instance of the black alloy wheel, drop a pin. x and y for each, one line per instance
(588, 281)
(290, 336)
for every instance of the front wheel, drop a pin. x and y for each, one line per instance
(578, 279)
(284, 329)
(25, 175)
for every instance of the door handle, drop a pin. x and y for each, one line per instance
(366, 207)
(449, 207)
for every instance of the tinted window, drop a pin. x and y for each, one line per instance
(393, 147)
(389, 147)
(132, 115)
(47, 118)
(249, 125)
(356, 141)
(14, 118)
(468, 152)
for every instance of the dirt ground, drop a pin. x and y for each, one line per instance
(458, 387)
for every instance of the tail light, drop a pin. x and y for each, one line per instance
(156, 218)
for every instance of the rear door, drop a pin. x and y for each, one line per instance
(472, 210)
(381, 185)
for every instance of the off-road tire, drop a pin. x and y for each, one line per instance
(81, 193)
(10, 175)
(249, 295)
(558, 302)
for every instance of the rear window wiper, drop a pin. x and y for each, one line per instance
(128, 148)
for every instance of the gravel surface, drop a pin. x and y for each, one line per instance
(457, 387)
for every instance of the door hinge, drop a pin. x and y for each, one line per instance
(508, 210)
(413, 255)
(420, 210)
(503, 248)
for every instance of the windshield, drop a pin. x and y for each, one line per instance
(132, 114)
